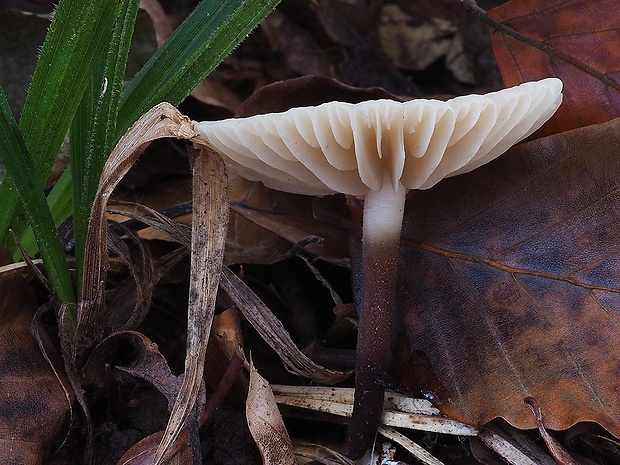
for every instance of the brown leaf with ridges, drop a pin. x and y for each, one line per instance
(575, 40)
(510, 285)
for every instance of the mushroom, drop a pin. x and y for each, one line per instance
(379, 149)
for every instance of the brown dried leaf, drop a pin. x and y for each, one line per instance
(575, 40)
(297, 47)
(34, 405)
(227, 330)
(148, 363)
(510, 284)
(143, 452)
(265, 423)
(306, 91)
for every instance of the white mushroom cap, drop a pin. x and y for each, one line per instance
(355, 148)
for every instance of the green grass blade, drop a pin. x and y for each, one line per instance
(206, 37)
(193, 51)
(72, 46)
(93, 132)
(60, 198)
(17, 161)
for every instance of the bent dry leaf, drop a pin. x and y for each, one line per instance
(161, 121)
(575, 40)
(510, 285)
(209, 221)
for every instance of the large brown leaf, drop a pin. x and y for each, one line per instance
(33, 403)
(575, 40)
(510, 284)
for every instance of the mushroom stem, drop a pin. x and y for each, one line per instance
(383, 217)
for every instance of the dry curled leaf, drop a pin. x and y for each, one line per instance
(161, 121)
(265, 423)
(209, 222)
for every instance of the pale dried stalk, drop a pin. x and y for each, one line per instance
(17, 269)
(209, 226)
(414, 449)
(508, 451)
(416, 414)
(393, 401)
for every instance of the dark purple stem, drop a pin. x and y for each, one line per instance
(383, 213)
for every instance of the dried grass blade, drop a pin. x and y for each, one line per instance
(157, 220)
(12, 270)
(161, 121)
(509, 450)
(414, 449)
(272, 331)
(209, 228)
